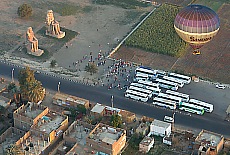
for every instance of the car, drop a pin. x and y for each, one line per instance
(169, 119)
(220, 86)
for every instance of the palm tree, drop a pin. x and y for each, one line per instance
(36, 92)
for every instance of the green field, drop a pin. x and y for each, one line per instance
(213, 4)
(157, 33)
(126, 4)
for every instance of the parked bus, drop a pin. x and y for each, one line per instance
(184, 97)
(142, 90)
(199, 110)
(141, 76)
(136, 95)
(155, 91)
(149, 72)
(207, 106)
(184, 78)
(160, 73)
(164, 103)
(167, 84)
(172, 79)
(170, 97)
(149, 83)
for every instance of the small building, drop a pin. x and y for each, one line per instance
(146, 144)
(2, 87)
(27, 115)
(168, 140)
(69, 100)
(127, 116)
(5, 102)
(142, 129)
(32, 143)
(74, 138)
(160, 128)
(107, 139)
(10, 136)
(210, 143)
(98, 110)
(50, 126)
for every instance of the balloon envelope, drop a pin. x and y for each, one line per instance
(197, 25)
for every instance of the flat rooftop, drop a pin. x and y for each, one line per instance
(79, 132)
(106, 134)
(4, 101)
(70, 98)
(31, 111)
(146, 140)
(98, 108)
(160, 124)
(51, 121)
(33, 145)
(209, 138)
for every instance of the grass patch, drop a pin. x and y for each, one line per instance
(213, 4)
(157, 33)
(69, 35)
(64, 9)
(45, 55)
(133, 146)
(130, 16)
(126, 4)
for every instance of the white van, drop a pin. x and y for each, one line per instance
(168, 119)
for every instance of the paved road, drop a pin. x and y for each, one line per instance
(210, 122)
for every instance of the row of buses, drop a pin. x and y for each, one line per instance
(166, 80)
(172, 100)
(148, 84)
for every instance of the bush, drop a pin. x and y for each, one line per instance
(25, 10)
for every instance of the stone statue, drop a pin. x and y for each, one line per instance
(32, 43)
(53, 27)
(32, 39)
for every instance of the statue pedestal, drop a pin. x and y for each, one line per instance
(59, 36)
(38, 52)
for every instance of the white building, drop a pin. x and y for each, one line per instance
(146, 144)
(160, 128)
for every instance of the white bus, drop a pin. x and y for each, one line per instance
(167, 84)
(142, 90)
(207, 106)
(170, 97)
(164, 103)
(184, 97)
(136, 95)
(149, 72)
(172, 79)
(149, 83)
(155, 91)
(199, 110)
(184, 78)
(141, 76)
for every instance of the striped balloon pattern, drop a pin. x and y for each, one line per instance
(197, 25)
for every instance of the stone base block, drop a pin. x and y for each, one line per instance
(61, 35)
(39, 52)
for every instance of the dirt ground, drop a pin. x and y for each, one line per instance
(212, 64)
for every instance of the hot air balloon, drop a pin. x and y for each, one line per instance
(197, 25)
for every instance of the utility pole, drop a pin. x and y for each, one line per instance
(12, 75)
(112, 100)
(58, 87)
